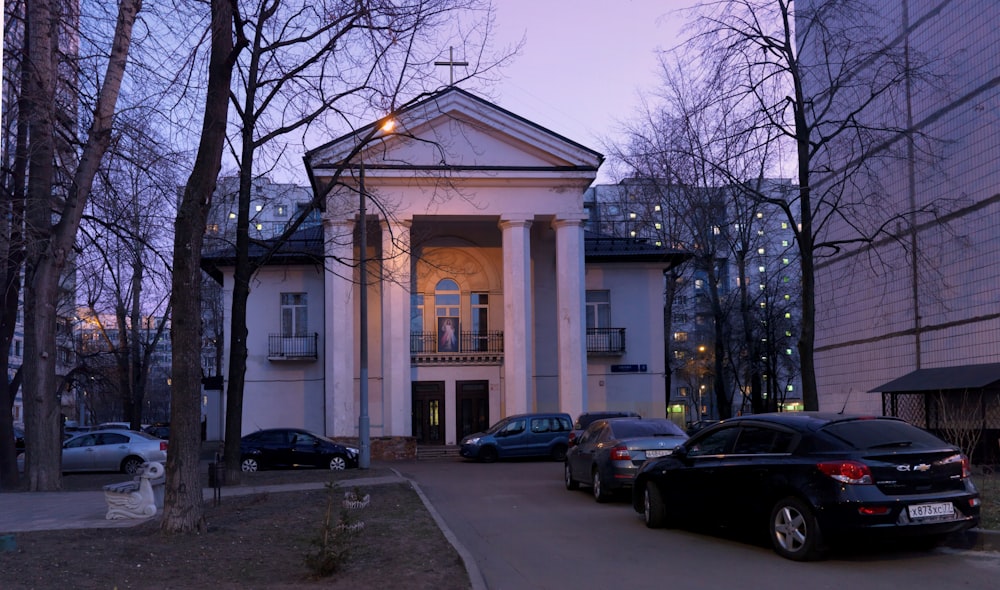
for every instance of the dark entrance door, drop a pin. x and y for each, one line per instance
(473, 403)
(428, 409)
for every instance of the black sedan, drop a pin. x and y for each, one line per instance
(812, 479)
(609, 452)
(294, 447)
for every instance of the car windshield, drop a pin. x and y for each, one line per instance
(497, 427)
(870, 434)
(641, 428)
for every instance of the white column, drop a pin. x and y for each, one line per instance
(339, 335)
(518, 335)
(571, 305)
(396, 394)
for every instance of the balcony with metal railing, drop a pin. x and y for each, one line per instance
(292, 348)
(471, 348)
(605, 341)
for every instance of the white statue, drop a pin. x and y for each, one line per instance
(134, 499)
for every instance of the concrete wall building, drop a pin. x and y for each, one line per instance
(925, 297)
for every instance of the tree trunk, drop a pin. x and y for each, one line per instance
(41, 409)
(183, 497)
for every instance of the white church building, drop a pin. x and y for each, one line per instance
(484, 294)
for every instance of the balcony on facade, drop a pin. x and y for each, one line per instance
(292, 348)
(605, 341)
(470, 348)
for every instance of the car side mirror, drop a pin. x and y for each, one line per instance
(679, 452)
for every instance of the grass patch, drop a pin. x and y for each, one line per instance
(253, 541)
(988, 484)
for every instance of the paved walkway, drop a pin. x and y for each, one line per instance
(44, 511)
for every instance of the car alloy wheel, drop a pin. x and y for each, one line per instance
(249, 465)
(571, 484)
(132, 465)
(795, 532)
(653, 510)
(600, 494)
(338, 463)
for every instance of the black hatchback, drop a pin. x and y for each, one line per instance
(293, 447)
(812, 479)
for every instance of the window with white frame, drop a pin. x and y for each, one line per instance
(598, 309)
(294, 314)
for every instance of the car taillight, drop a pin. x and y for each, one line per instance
(960, 458)
(620, 453)
(852, 472)
(163, 446)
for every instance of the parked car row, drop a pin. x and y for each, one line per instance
(808, 480)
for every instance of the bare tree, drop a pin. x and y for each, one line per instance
(124, 282)
(182, 505)
(52, 222)
(304, 66)
(12, 248)
(837, 112)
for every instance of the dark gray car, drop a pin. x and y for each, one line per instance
(610, 452)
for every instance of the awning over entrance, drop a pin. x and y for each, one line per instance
(944, 379)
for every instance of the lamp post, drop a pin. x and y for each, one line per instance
(364, 460)
(364, 425)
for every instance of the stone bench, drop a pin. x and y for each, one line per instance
(134, 499)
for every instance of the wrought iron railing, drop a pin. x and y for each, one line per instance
(467, 342)
(605, 340)
(299, 348)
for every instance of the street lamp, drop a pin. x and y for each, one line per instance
(364, 426)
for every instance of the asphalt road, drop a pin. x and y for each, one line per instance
(525, 530)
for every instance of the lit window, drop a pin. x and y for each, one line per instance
(788, 333)
(232, 216)
(656, 208)
(716, 230)
(699, 283)
(790, 388)
(631, 215)
(680, 336)
(788, 351)
(632, 233)
(788, 316)
(784, 243)
(260, 208)
(281, 210)
(658, 225)
(788, 297)
(760, 232)
(763, 305)
(784, 261)
(762, 268)
(760, 215)
(762, 287)
(260, 226)
(784, 225)
(760, 251)
(658, 243)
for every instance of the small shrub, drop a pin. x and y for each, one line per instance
(334, 542)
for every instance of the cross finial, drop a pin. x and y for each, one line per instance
(451, 63)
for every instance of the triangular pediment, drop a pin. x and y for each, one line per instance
(456, 131)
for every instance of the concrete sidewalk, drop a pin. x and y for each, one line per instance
(45, 511)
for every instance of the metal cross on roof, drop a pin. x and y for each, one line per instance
(451, 63)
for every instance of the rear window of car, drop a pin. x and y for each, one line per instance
(639, 428)
(868, 434)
